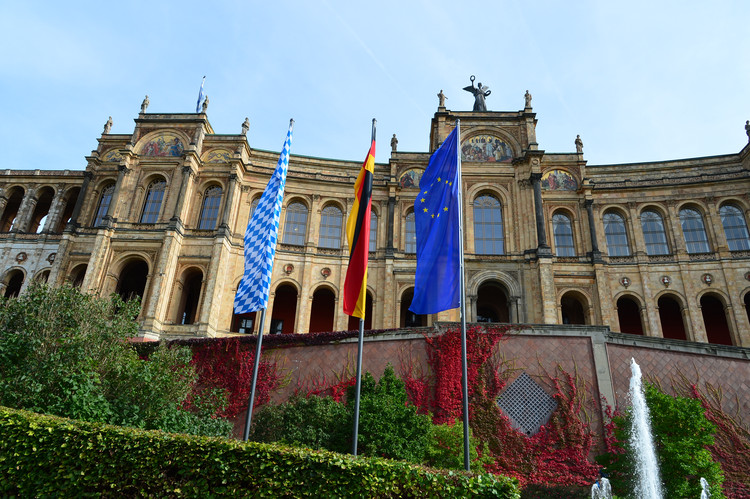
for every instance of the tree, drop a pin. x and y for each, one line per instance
(67, 353)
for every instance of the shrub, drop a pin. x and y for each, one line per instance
(67, 353)
(445, 448)
(50, 456)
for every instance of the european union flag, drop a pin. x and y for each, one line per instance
(437, 280)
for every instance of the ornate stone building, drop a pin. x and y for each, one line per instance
(659, 249)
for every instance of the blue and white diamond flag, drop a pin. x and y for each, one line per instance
(260, 239)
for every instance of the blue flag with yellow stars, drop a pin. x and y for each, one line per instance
(436, 283)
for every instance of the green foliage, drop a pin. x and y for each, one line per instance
(314, 422)
(50, 456)
(388, 425)
(66, 353)
(445, 448)
(681, 436)
(543, 491)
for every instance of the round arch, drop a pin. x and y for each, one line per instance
(500, 133)
(13, 281)
(574, 307)
(164, 132)
(630, 313)
(407, 318)
(713, 306)
(670, 305)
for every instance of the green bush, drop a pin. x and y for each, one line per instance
(388, 425)
(681, 435)
(445, 448)
(314, 422)
(67, 353)
(50, 456)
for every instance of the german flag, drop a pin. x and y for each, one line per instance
(358, 234)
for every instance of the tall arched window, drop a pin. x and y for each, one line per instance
(410, 234)
(330, 228)
(210, 208)
(488, 226)
(254, 205)
(373, 231)
(562, 229)
(104, 203)
(295, 224)
(735, 228)
(617, 237)
(653, 233)
(694, 231)
(154, 197)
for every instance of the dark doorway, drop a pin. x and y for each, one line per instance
(11, 210)
(284, 309)
(192, 282)
(572, 309)
(15, 281)
(132, 280)
(322, 311)
(41, 210)
(492, 303)
(629, 315)
(715, 320)
(670, 315)
(409, 318)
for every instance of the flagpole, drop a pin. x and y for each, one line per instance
(360, 346)
(249, 417)
(464, 366)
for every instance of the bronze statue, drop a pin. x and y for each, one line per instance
(144, 105)
(480, 93)
(107, 126)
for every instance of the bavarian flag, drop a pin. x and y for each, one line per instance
(358, 234)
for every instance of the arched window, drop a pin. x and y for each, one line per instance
(488, 226)
(562, 229)
(295, 224)
(14, 281)
(154, 197)
(735, 228)
(410, 234)
(653, 233)
(254, 205)
(330, 228)
(373, 231)
(617, 237)
(104, 203)
(210, 208)
(694, 231)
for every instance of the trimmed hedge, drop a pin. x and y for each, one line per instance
(46, 455)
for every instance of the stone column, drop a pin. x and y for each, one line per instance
(109, 217)
(543, 248)
(71, 226)
(25, 210)
(3, 202)
(55, 210)
(229, 202)
(187, 171)
(596, 255)
(389, 230)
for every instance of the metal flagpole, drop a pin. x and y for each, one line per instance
(464, 367)
(360, 344)
(249, 416)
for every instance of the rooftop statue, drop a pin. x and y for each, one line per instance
(579, 144)
(442, 98)
(245, 126)
(144, 105)
(107, 126)
(480, 93)
(527, 97)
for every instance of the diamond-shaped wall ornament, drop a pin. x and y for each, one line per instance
(527, 405)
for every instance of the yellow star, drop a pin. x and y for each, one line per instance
(433, 215)
(425, 192)
(425, 210)
(438, 179)
(447, 182)
(438, 215)
(450, 183)
(422, 200)
(445, 209)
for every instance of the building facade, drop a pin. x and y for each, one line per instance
(656, 249)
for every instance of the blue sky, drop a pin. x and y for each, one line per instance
(639, 81)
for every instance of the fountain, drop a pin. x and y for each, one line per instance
(648, 485)
(705, 493)
(601, 489)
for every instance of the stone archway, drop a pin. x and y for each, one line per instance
(573, 306)
(284, 309)
(670, 316)
(629, 315)
(323, 310)
(715, 320)
(132, 279)
(492, 304)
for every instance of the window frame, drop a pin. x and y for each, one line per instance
(493, 228)
(653, 244)
(205, 216)
(616, 234)
(291, 223)
(154, 198)
(563, 250)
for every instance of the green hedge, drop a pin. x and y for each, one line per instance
(46, 455)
